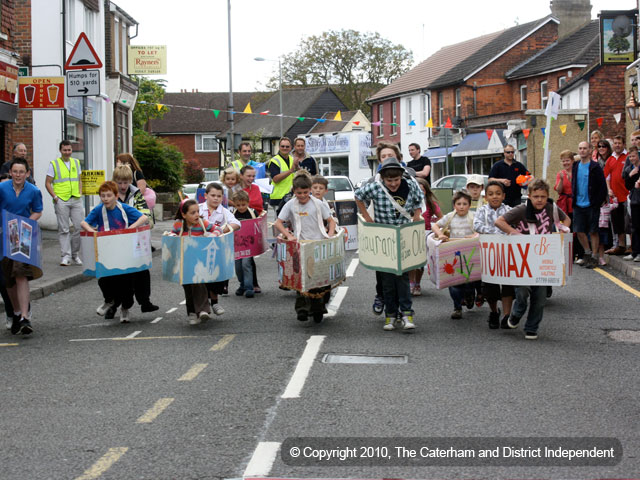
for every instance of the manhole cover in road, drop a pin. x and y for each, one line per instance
(367, 359)
(627, 336)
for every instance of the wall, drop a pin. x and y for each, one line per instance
(187, 145)
(607, 97)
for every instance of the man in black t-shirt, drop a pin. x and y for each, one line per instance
(421, 165)
(506, 171)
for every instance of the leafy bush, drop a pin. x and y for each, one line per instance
(193, 172)
(161, 162)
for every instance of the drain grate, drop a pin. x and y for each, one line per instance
(626, 336)
(357, 358)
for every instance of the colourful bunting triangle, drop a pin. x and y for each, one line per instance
(429, 123)
(581, 125)
(448, 124)
(489, 132)
(302, 119)
(159, 106)
(216, 113)
(599, 121)
(376, 124)
(124, 101)
(247, 109)
(412, 123)
(393, 124)
(338, 116)
(526, 132)
(563, 129)
(321, 120)
(266, 112)
(617, 117)
(543, 132)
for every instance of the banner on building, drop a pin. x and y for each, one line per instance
(22, 242)
(617, 36)
(41, 93)
(147, 60)
(310, 264)
(391, 248)
(527, 259)
(251, 239)
(91, 181)
(454, 262)
(188, 260)
(116, 252)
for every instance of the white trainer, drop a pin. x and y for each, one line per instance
(194, 319)
(217, 309)
(124, 315)
(77, 260)
(102, 309)
(204, 316)
(65, 262)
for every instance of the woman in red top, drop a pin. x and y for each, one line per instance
(596, 137)
(247, 176)
(563, 182)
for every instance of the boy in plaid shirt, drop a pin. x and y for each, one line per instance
(396, 201)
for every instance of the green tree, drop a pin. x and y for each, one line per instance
(355, 64)
(151, 92)
(161, 162)
(618, 44)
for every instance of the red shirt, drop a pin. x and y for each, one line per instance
(255, 197)
(614, 167)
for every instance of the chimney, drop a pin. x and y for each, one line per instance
(572, 14)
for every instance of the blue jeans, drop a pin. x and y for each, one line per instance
(538, 297)
(458, 292)
(396, 293)
(244, 272)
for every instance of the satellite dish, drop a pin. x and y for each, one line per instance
(622, 26)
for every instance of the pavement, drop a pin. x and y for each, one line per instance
(56, 277)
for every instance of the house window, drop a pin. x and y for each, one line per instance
(380, 119)
(581, 98)
(206, 143)
(409, 113)
(523, 97)
(440, 108)
(394, 118)
(562, 81)
(116, 46)
(425, 112)
(458, 103)
(89, 24)
(121, 129)
(544, 94)
(70, 21)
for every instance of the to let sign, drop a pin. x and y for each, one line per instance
(83, 83)
(41, 92)
(147, 59)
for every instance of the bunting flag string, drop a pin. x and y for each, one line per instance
(563, 129)
(159, 106)
(216, 113)
(543, 131)
(526, 132)
(617, 117)
(448, 124)
(429, 123)
(247, 109)
(412, 123)
(581, 125)
(489, 132)
(266, 112)
(338, 116)
(599, 121)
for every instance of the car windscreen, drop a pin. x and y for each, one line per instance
(339, 184)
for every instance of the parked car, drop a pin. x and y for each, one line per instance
(457, 182)
(341, 186)
(189, 190)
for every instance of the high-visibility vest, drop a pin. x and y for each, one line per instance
(237, 164)
(66, 183)
(281, 188)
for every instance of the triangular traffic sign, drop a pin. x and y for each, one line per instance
(83, 56)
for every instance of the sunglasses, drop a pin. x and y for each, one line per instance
(602, 146)
(509, 152)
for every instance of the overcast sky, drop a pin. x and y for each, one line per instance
(195, 31)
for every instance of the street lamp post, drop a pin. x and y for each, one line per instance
(260, 59)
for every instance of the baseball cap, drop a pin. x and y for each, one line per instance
(476, 179)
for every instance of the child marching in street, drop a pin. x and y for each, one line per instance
(247, 179)
(458, 224)
(305, 215)
(113, 215)
(213, 211)
(396, 201)
(244, 266)
(484, 221)
(431, 214)
(538, 216)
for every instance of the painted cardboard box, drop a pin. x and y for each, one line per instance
(311, 264)
(391, 248)
(251, 239)
(347, 215)
(527, 259)
(454, 262)
(22, 241)
(188, 260)
(116, 252)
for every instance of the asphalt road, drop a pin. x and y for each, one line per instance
(216, 401)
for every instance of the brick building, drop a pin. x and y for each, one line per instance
(9, 23)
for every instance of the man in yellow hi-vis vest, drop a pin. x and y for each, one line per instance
(65, 187)
(281, 168)
(244, 151)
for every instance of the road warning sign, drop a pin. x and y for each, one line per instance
(83, 55)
